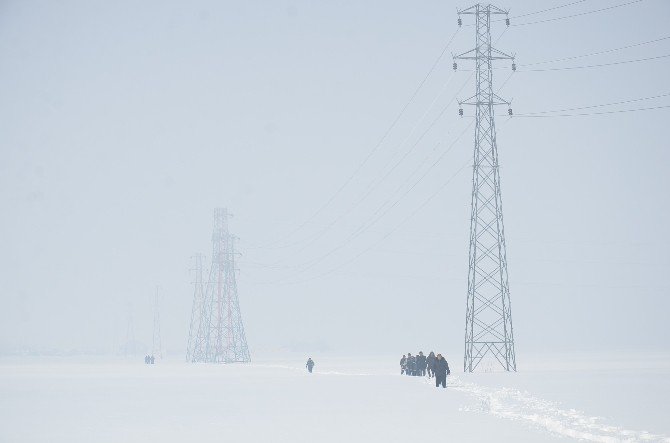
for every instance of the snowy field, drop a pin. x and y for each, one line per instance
(558, 399)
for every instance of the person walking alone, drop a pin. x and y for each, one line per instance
(310, 364)
(441, 371)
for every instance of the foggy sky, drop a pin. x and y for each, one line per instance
(123, 124)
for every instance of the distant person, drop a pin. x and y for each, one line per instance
(411, 364)
(310, 364)
(403, 364)
(441, 371)
(146, 359)
(421, 364)
(151, 359)
(430, 364)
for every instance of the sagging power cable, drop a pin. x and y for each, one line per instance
(372, 151)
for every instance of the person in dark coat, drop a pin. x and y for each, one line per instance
(310, 364)
(411, 364)
(403, 364)
(151, 360)
(430, 364)
(421, 364)
(441, 371)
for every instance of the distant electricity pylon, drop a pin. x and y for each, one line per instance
(488, 319)
(156, 344)
(198, 303)
(216, 332)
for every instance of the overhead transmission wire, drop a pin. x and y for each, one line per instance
(385, 207)
(389, 233)
(546, 10)
(399, 225)
(402, 223)
(583, 114)
(437, 192)
(374, 149)
(346, 263)
(599, 65)
(591, 54)
(541, 11)
(593, 11)
(371, 221)
(367, 224)
(601, 105)
(375, 184)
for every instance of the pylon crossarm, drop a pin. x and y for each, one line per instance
(467, 55)
(480, 9)
(499, 55)
(467, 101)
(500, 101)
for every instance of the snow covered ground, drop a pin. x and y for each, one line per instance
(551, 399)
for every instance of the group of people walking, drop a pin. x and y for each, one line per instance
(149, 359)
(422, 365)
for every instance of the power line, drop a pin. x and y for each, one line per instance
(383, 209)
(541, 11)
(405, 220)
(620, 111)
(367, 192)
(374, 185)
(375, 148)
(594, 11)
(388, 234)
(546, 10)
(376, 216)
(600, 65)
(621, 48)
(622, 102)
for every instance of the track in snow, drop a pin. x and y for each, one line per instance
(513, 404)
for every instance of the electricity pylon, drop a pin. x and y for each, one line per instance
(156, 343)
(195, 347)
(488, 319)
(219, 332)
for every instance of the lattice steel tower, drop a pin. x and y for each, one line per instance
(217, 332)
(198, 303)
(488, 320)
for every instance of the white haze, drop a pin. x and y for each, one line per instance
(123, 124)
